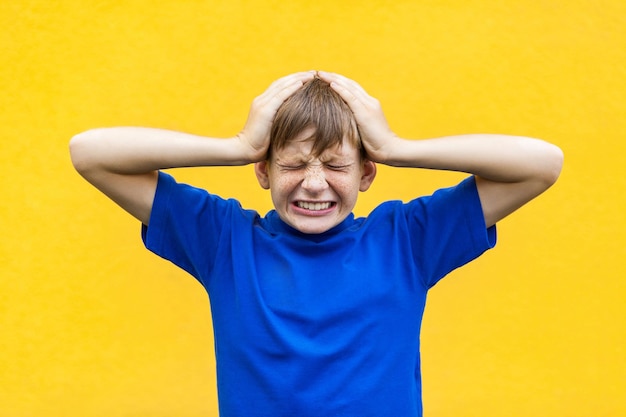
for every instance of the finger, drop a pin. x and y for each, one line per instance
(288, 85)
(286, 91)
(350, 91)
(356, 104)
(280, 83)
(266, 105)
(355, 88)
(287, 82)
(353, 94)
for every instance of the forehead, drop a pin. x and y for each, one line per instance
(303, 150)
(302, 146)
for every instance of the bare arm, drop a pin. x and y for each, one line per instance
(122, 162)
(509, 170)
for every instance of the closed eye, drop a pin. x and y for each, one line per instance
(290, 167)
(338, 167)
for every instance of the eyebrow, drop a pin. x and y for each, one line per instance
(292, 159)
(336, 159)
(326, 157)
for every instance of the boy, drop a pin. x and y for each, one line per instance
(316, 312)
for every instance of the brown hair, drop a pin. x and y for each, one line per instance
(315, 105)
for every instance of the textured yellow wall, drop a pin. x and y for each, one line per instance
(94, 325)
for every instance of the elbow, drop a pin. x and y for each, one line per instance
(553, 164)
(77, 152)
(81, 151)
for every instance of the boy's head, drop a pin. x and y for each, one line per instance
(315, 107)
(316, 165)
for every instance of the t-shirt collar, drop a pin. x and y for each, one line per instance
(276, 225)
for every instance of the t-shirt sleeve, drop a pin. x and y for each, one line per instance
(185, 225)
(448, 230)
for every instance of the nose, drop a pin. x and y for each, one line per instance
(314, 179)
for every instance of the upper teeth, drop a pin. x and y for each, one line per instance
(313, 206)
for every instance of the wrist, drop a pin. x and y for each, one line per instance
(245, 151)
(391, 152)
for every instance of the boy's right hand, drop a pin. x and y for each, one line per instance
(255, 136)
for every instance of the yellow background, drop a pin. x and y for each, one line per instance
(94, 325)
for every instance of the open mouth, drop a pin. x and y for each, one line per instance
(312, 206)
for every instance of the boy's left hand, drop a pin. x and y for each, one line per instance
(378, 139)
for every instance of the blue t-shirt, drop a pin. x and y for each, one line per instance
(317, 325)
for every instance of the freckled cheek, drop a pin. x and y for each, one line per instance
(343, 186)
(284, 185)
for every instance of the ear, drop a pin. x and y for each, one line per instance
(368, 175)
(260, 169)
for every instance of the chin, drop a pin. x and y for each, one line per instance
(311, 229)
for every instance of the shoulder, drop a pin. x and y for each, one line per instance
(195, 204)
(443, 199)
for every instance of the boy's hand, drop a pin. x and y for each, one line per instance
(377, 137)
(255, 135)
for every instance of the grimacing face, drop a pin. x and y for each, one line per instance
(314, 194)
